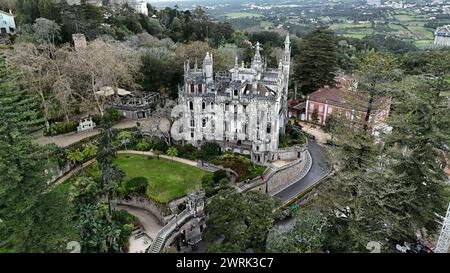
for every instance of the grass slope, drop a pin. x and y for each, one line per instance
(167, 179)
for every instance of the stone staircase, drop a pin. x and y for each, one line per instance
(160, 239)
(156, 245)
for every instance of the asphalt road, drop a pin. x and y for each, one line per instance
(318, 170)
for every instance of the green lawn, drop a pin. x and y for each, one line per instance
(167, 179)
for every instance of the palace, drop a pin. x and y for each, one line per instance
(244, 109)
(442, 36)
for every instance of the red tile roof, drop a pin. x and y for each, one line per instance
(338, 97)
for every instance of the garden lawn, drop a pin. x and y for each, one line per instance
(167, 179)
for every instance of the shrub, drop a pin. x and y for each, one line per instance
(143, 145)
(188, 151)
(63, 127)
(239, 164)
(210, 150)
(160, 145)
(181, 207)
(137, 185)
(207, 180)
(90, 151)
(219, 175)
(122, 217)
(113, 114)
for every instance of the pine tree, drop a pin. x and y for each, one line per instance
(22, 164)
(316, 63)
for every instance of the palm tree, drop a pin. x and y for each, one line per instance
(172, 151)
(124, 137)
(75, 156)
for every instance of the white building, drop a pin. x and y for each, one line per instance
(7, 23)
(244, 109)
(442, 36)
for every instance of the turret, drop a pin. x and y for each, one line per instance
(208, 68)
(287, 50)
(257, 63)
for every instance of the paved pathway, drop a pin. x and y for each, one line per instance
(318, 171)
(316, 131)
(149, 221)
(71, 138)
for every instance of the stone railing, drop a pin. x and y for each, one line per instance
(232, 175)
(276, 179)
(161, 237)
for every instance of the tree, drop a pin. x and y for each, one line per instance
(46, 31)
(102, 64)
(98, 233)
(22, 164)
(420, 133)
(84, 191)
(376, 71)
(143, 145)
(43, 67)
(111, 175)
(243, 225)
(316, 66)
(124, 137)
(90, 151)
(315, 116)
(307, 235)
(172, 151)
(388, 189)
(209, 150)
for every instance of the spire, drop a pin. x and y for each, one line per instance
(257, 53)
(195, 65)
(207, 59)
(287, 50)
(287, 44)
(236, 65)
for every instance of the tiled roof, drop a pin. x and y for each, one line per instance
(338, 97)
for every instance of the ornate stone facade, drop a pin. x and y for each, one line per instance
(244, 109)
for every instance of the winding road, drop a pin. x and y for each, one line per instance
(318, 171)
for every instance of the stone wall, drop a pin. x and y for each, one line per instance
(278, 179)
(143, 203)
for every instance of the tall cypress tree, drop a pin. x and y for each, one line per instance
(316, 64)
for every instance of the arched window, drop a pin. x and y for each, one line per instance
(192, 88)
(200, 88)
(203, 105)
(191, 105)
(235, 92)
(212, 105)
(204, 122)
